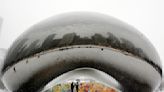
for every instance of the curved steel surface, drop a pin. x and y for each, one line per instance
(84, 75)
(35, 72)
(70, 41)
(82, 28)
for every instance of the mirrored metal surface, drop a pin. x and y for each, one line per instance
(82, 28)
(67, 42)
(82, 80)
(82, 86)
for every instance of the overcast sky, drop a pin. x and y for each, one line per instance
(145, 15)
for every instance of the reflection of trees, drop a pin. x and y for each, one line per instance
(21, 50)
(67, 39)
(14, 53)
(113, 41)
(48, 43)
(99, 39)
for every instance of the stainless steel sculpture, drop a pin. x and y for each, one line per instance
(84, 47)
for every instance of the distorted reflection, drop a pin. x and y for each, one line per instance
(81, 87)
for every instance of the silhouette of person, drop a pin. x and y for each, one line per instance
(77, 86)
(72, 86)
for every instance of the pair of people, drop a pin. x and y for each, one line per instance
(74, 85)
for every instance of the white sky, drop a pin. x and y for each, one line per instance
(145, 15)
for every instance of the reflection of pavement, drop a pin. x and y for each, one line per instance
(83, 87)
